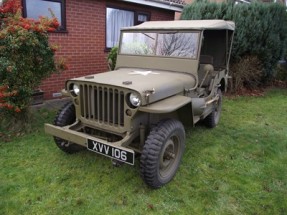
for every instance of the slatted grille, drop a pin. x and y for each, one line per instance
(102, 104)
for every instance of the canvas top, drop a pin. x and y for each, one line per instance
(185, 25)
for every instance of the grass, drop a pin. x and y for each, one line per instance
(237, 168)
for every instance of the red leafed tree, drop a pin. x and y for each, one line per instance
(26, 57)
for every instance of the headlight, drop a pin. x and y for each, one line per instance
(135, 100)
(74, 89)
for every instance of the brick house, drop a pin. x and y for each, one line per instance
(89, 28)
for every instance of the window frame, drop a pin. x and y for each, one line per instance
(62, 27)
(136, 22)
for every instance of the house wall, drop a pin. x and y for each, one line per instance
(83, 45)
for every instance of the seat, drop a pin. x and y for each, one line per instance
(206, 59)
(205, 70)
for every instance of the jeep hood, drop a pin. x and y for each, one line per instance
(163, 83)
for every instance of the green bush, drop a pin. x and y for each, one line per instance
(261, 29)
(281, 72)
(112, 58)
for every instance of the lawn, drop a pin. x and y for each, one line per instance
(240, 167)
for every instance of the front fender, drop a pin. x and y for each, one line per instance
(168, 105)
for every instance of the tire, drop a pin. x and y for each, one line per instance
(212, 119)
(162, 153)
(66, 116)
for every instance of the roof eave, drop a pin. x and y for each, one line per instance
(158, 4)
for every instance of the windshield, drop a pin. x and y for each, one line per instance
(175, 44)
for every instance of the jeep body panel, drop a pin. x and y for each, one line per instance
(167, 105)
(163, 83)
(164, 63)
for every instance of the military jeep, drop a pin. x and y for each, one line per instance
(168, 74)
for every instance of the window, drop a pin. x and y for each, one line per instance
(142, 18)
(119, 18)
(138, 43)
(35, 8)
(179, 44)
(169, 44)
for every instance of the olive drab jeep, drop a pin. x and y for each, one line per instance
(168, 75)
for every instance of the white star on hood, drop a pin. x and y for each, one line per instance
(145, 73)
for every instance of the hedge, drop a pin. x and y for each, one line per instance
(261, 29)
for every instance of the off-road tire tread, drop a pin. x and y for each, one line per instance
(209, 121)
(66, 116)
(152, 149)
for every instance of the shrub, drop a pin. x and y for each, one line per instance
(112, 58)
(261, 29)
(26, 57)
(246, 72)
(281, 74)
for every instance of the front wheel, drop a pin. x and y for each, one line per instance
(212, 119)
(66, 116)
(162, 153)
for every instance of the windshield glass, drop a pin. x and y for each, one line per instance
(176, 44)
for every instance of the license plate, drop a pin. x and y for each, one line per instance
(112, 152)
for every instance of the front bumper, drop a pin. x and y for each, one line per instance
(81, 138)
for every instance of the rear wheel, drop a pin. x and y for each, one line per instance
(212, 119)
(162, 153)
(66, 116)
